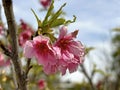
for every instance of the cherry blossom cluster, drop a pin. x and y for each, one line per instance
(25, 33)
(64, 54)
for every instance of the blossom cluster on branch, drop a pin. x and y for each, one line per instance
(55, 54)
(65, 53)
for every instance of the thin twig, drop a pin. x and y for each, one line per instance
(87, 76)
(28, 67)
(5, 50)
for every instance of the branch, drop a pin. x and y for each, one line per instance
(5, 50)
(28, 67)
(8, 9)
(87, 76)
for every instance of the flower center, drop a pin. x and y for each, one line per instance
(41, 48)
(63, 44)
(26, 36)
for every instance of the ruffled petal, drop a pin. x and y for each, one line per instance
(63, 32)
(50, 69)
(28, 49)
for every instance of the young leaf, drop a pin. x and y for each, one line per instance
(58, 22)
(48, 13)
(69, 21)
(88, 49)
(38, 21)
(56, 15)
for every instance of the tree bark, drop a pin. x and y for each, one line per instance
(20, 76)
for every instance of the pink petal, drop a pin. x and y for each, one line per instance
(72, 67)
(50, 69)
(40, 38)
(46, 58)
(76, 48)
(67, 56)
(43, 51)
(28, 49)
(63, 69)
(63, 32)
(58, 52)
(72, 35)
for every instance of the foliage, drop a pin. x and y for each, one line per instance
(116, 56)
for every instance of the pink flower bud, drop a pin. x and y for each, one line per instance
(45, 3)
(41, 84)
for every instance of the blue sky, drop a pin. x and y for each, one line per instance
(95, 18)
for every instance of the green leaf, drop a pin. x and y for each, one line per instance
(37, 68)
(56, 15)
(58, 22)
(38, 21)
(100, 71)
(69, 21)
(51, 36)
(116, 29)
(88, 49)
(116, 38)
(48, 13)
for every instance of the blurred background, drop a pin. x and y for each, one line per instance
(98, 22)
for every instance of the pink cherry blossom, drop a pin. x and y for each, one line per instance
(29, 51)
(3, 63)
(25, 34)
(50, 69)
(23, 25)
(45, 3)
(65, 53)
(72, 52)
(42, 84)
(42, 50)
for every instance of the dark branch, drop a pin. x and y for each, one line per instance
(5, 50)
